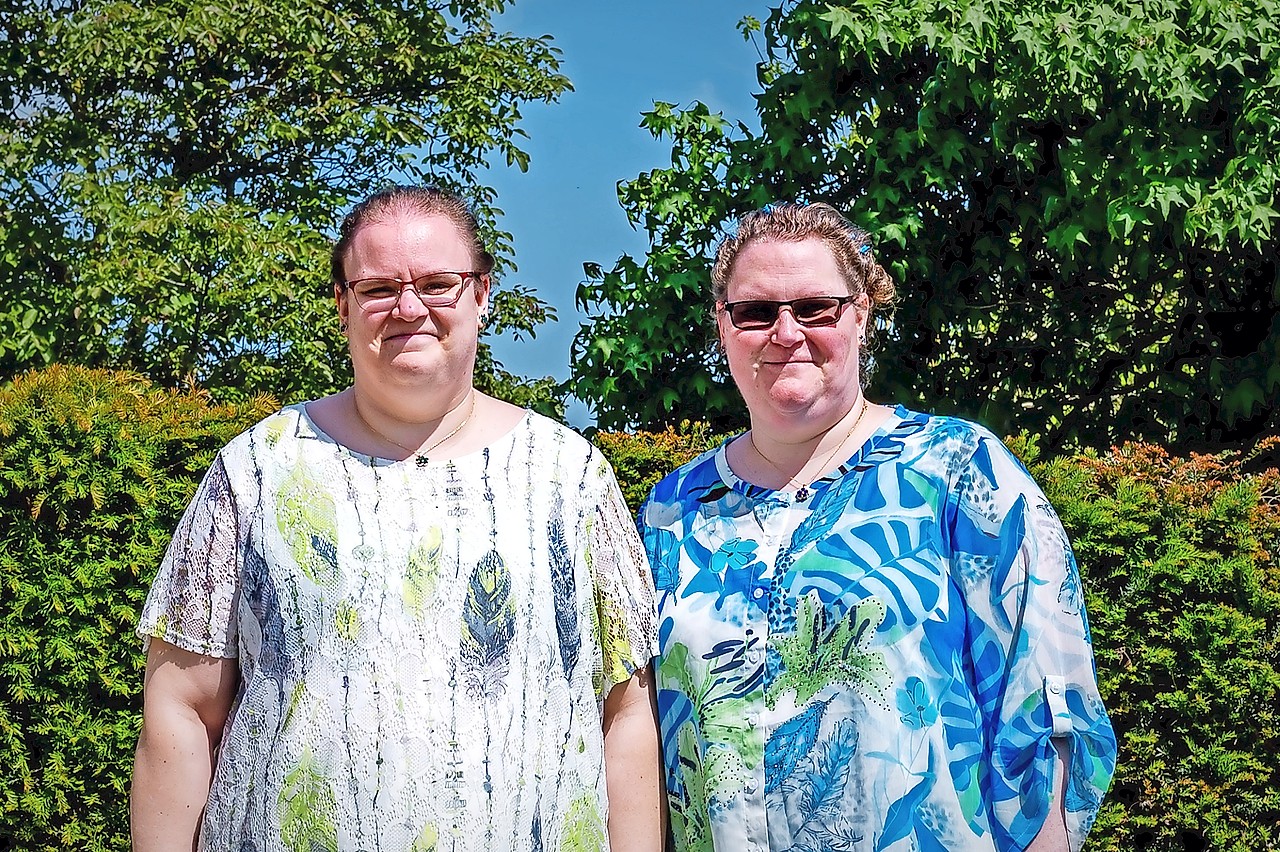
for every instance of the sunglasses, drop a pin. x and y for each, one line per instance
(811, 312)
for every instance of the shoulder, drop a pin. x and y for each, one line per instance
(974, 467)
(543, 431)
(695, 471)
(943, 434)
(952, 451)
(271, 430)
(553, 443)
(692, 481)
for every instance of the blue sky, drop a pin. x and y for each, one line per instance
(621, 57)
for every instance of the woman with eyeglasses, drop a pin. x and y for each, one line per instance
(871, 628)
(407, 616)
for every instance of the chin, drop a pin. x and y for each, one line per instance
(781, 402)
(794, 392)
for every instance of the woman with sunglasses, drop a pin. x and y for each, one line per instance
(407, 616)
(871, 629)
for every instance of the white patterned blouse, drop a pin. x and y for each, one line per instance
(424, 651)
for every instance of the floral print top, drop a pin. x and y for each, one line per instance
(424, 651)
(880, 665)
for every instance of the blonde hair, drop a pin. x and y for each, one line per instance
(849, 245)
(793, 223)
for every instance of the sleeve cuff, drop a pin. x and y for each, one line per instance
(1055, 695)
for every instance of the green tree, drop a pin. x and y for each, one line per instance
(171, 172)
(1077, 201)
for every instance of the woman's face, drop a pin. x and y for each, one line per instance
(791, 371)
(410, 340)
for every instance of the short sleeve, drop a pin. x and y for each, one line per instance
(1030, 648)
(193, 599)
(626, 618)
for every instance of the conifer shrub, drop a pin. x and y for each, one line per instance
(1181, 566)
(1179, 558)
(640, 459)
(95, 470)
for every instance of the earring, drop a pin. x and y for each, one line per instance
(342, 327)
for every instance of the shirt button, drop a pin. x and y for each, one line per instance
(758, 593)
(753, 656)
(1056, 689)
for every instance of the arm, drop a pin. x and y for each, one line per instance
(1029, 645)
(637, 816)
(186, 699)
(1053, 834)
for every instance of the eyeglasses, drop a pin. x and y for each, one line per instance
(811, 312)
(434, 290)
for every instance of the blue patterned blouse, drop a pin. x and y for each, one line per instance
(880, 666)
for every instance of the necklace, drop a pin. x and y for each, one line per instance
(420, 454)
(802, 488)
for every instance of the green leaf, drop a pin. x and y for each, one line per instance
(1065, 197)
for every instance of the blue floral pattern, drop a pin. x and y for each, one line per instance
(880, 666)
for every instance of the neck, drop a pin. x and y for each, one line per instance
(795, 440)
(409, 406)
(410, 423)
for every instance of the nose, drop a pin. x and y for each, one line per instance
(786, 331)
(409, 305)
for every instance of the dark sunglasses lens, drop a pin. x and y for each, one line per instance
(816, 311)
(754, 314)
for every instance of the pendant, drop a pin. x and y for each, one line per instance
(422, 461)
(802, 493)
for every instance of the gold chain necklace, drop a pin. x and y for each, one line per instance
(802, 489)
(420, 454)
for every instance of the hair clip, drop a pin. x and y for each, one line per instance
(768, 208)
(864, 249)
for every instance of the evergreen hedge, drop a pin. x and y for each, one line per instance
(1181, 566)
(95, 469)
(640, 459)
(1179, 557)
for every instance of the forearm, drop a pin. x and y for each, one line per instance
(633, 767)
(171, 776)
(1053, 834)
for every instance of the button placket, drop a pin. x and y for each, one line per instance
(770, 517)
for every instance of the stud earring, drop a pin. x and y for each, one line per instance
(342, 327)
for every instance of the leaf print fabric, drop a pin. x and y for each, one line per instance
(488, 626)
(417, 671)
(880, 667)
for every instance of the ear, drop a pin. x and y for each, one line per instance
(482, 287)
(723, 327)
(340, 297)
(863, 313)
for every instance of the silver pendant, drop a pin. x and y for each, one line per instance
(802, 493)
(422, 461)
